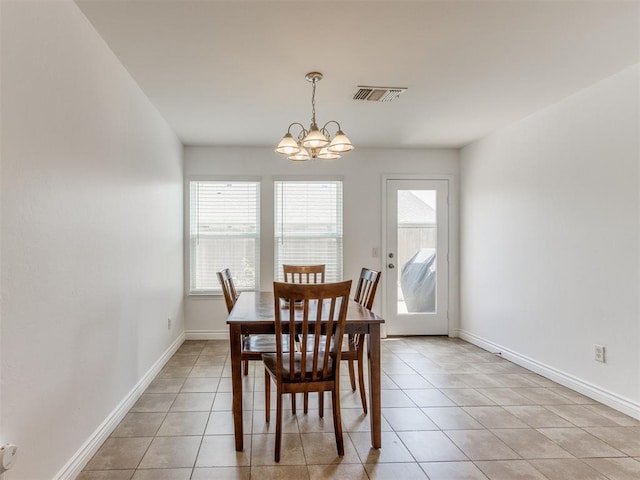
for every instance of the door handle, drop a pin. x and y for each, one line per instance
(391, 265)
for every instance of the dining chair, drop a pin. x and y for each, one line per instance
(303, 273)
(253, 346)
(354, 351)
(317, 312)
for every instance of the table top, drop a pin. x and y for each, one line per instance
(258, 307)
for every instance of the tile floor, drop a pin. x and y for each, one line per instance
(450, 411)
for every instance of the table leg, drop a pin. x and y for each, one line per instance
(375, 414)
(235, 335)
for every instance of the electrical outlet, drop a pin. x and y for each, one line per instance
(598, 353)
(168, 324)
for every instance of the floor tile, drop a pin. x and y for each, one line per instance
(581, 416)
(566, 469)
(543, 396)
(163, 474)
(174, 372)
(580, 443)
(182, 361)
(119, 453)
(509, 470)
(504, 396)
(320, 449)
(346, 471)
(495, 417)
(406, 419)
(392, 451)
(200, 384)
(138, 424)
(625, 439)
(481, 445)
(165, 385)
(431, 446)
(221, 423)
(220, 451)
(154, 402)
(280, 472)
(529, 443)
(395, 471)
(616, 468)
(452, 471)
(183, 423)
(192, 402)
(411, 381)
(445, 380)
(222, 473)
(353, 420)
(537, 416)
(263, 450)
(452, 418)
(428, 398)
(467, 396)
(106, 475)
(171, 452)
(618, 417)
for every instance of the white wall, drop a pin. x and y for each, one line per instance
(551, 237)
(91, 208)
(361, 170)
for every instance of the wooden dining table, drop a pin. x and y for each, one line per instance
(253, 313)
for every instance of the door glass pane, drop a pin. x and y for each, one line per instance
(416, 251)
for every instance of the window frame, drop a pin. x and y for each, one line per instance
(277, 273)
(217, 291)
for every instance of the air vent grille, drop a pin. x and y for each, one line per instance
(378, 94)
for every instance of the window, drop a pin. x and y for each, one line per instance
(308, 226)
(224, 232)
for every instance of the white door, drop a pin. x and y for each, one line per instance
(416, 257)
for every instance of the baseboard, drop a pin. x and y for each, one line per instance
(601, 395)
(206, 334)
(75, 465)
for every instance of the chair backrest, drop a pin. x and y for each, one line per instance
(228, 288)
(315, 315)
(303, 273)
(367, 286)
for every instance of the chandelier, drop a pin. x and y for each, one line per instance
(314, 142)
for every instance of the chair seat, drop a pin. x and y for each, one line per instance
(270, 363)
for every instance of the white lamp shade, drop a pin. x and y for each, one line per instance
(326, 154)
(315, 138)
(301, 156)
(340, 143)
(288, 146)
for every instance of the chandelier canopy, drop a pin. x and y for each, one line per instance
(314, 142)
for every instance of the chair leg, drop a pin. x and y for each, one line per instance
(278, 425)
(246, 367)
(352, 375)
(363, 393)
(305, 401)
(321, 404)
(293, 403)
(267, 396)
(337, 420)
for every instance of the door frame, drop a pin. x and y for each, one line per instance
(453, 283)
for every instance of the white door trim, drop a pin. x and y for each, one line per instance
(453, 299)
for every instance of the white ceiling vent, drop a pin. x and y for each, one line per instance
(378, 94)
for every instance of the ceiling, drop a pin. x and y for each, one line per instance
(232, 72)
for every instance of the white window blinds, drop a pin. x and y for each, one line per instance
(308, 226)
(224, 231)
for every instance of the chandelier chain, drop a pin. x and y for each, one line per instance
(313, 102)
